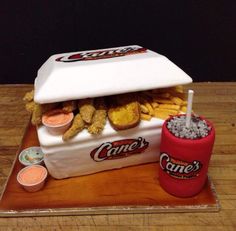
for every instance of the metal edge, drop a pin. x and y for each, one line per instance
(109, 210)
(101, 210)
(106, 210)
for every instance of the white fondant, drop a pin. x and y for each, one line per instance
(72, 158)
(61, 81)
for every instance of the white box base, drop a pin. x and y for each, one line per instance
(73, 158)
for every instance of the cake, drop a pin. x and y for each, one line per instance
(114, 72)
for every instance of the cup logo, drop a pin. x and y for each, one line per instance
(101, 54)
(119, 149)
(178, 168)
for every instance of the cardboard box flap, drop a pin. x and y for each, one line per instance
(104, 72)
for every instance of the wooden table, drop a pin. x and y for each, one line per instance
(216, 101)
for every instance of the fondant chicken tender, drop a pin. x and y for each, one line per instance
(86, 109)
(38, 111)
(48, 106)
(69, 106)
(99, 118)
(76, 127)
(29, 106)
(29, 96)
(37, 114)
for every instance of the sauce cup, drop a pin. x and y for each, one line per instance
(32, 178)
(31, 156)
(57, 121)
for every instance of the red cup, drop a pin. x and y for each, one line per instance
(184, 162)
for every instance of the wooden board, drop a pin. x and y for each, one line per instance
(129, 190)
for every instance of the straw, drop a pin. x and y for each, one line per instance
(189, 107)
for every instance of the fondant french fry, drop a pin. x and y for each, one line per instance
(163, 113)
(184, 103)
(183, 109)
(179, 89)
(76, 127)
(144, 109)
(179, 95)
(154, 104)
(69, 106)
(170, 111)
(145, 117)
(165, 95)
(177, 100)
(86, 109)
(165, 101)
(170, 106)
(150, 109)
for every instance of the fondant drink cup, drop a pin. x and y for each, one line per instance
(186, 147)
(185, 155)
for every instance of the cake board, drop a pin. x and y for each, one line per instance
(133, 189)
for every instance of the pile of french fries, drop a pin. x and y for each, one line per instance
(162, 103)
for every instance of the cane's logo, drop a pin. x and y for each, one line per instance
(119, 149)
(178, 168)
(101, 54)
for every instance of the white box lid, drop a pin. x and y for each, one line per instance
(104, 72)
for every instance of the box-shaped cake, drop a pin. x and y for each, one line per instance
(105, 73)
